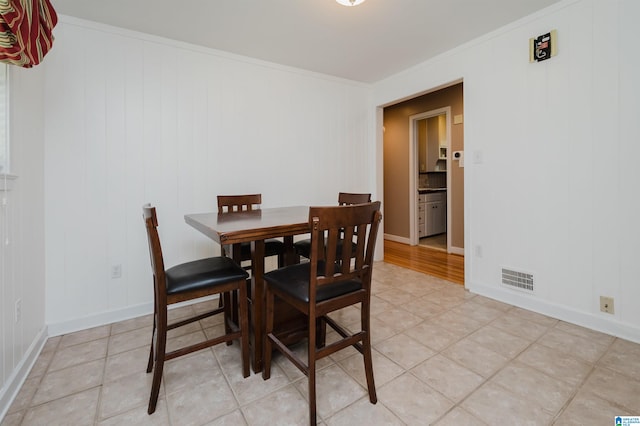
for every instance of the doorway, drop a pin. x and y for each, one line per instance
(399, 166)
(429, 145)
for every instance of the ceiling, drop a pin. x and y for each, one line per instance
(365, 43)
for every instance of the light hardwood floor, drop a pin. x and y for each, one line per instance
(424, 259)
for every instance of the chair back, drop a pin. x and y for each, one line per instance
(155, 251)
(238, 203)
(351, 198)
(355, 227)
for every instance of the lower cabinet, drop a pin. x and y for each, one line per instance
(432, 213)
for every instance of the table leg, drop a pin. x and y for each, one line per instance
(257, 302)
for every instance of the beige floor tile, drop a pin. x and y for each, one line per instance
(25, 395)
(61, 383)
(460, 359)
(615, 388)
(132, 324)
(555, 364)
(13, 419)
(363, 412)
(399, 319)
(423, 308)
(478, 359)
(457, 323)
(533, 317)
(123, 342)
(481, 313)
(41, 365)
(413, 401)
(530, 384)
(404, 350)
(126, 393)
(494, 405)
(447, 377)
(384, 370)
(434, 336)
(490, 303)
(589, 350)
(139, 417)
(126, 363)
(334, 390)
(520, 327)
(234, 418)
(285, 406)
(395, 296)
(184, 340)
(624, 357)
(200, 404)
(457, 417)
(499, 341)
(78, 354)
(601, 338)
(85, 336)
(78, 409)
(587, 409)
(189, 371)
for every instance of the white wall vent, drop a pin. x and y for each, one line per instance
(517, 279)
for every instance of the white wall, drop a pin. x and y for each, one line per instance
(555, 194)
(132, 119)
(22, 235)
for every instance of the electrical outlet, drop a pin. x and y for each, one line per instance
(18, 310)
(606, 304)
(116, 271)
(478, 250)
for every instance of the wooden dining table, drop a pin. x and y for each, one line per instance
(234, 228)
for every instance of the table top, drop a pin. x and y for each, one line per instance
(239, 227)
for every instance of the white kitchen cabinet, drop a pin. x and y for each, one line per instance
(433, 207)
(422, 217)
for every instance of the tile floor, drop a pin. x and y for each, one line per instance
(441, 356)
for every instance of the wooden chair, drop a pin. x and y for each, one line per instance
(188, 281)
(326, 283)
(303, 247)
(236, 203)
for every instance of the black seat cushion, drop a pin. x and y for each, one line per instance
(272, 247)
(294, 280)
(203, 273)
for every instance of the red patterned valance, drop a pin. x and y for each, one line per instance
(26, 31)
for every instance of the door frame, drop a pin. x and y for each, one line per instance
(414, 176)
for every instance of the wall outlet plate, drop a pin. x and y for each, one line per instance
(606, 304)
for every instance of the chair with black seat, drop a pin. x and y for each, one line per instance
(249, 202)
(303, 247)
(189, 281)
(327, 283)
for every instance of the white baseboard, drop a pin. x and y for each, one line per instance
(12, 386)
(103, 318)
(397, 239)
(603, 323)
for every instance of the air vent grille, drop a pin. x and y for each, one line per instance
(517, 279)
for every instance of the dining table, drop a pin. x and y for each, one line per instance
(254, 226)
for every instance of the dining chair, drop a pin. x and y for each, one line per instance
(303, 247)
(189, 281)
(327, 283)
(249, 202)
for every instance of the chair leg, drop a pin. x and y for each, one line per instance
(153, 336)
(366, 351)
(161, 346)
(311, 364)
(244, 327)
(266, 356)
(228, 313)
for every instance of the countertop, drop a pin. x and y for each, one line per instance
(428, 190)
